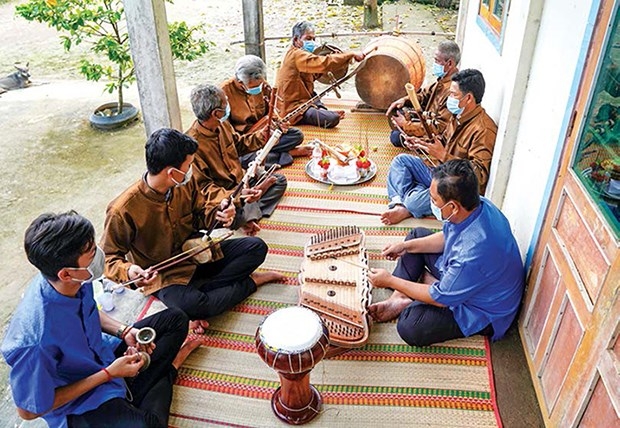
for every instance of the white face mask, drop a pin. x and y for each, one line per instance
(437, 212)
(186, 177)
(95, 268)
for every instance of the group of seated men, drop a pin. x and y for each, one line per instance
(77, 367)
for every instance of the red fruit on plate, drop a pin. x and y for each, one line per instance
(366, 164)
(359, 163)
(362, 154)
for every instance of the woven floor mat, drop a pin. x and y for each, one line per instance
(385, 382)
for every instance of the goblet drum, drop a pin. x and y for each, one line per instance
(292, 341)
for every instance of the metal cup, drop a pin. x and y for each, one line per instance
(145, 336)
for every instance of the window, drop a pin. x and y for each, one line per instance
(492, 12)
(597, 158)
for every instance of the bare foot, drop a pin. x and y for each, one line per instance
(251, 228)
(298, 151)
(198, 326)
(265, 185)
(395, 215)
(340, 113)
(261, 278)
(389, 309)
(185, 350)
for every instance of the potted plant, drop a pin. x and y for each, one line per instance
(101, 23)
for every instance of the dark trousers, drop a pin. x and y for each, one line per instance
(420, 324)
(318, 115)
(218, 286)
(264, 207)
(151, 390)
(280, 153)
(396, 139)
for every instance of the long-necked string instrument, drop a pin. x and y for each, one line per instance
(176, 259)
(272, 105)
(418, 109)
(306, 105)
(419, 152)
(250, 173)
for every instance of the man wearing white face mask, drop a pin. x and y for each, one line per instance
(432, 98)
(151, 220)
(219, 170)
(248, 95)
(475, 260)
(300, 68)
(470, 134)
(69, 361)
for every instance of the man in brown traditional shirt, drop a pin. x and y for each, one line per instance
(470, 134)
(299, 69)
(217, 159)
(248, 95)
(432, 98)
(149, 222)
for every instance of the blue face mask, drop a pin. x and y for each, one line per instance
(309, 45)
(453, 105)
(437, 213)
(226, 114)
(438, 70)
(255, 90)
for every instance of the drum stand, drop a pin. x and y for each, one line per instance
(296, 402)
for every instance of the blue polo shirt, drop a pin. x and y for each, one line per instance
(55, 340)
(482, 275)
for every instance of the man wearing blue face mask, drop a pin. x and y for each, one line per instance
(470, 134)
(432, 98)
(73, 365)
(475, 261)
(300, 68)
(248, 96)
(217, 160)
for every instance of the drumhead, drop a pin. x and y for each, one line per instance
(291, 330)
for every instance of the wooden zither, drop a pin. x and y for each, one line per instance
(334, 283)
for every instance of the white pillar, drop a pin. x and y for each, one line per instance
(150, 49)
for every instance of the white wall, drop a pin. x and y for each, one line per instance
(548, 101)
(529, 83)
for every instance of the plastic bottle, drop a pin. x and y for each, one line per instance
(107, 300)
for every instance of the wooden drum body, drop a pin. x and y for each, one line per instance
(334, 283)
(391, 63)
(292, 341)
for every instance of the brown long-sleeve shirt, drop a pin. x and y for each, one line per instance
(217, 159)
(245, 109)
(472, 136)
(433, 99)
(144, 227)
(295, 79)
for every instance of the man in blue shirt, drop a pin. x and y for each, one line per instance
(475, 258)
(66, 364)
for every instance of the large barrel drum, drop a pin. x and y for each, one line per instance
(391, 63)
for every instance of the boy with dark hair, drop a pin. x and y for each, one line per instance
(475, 259)
(66, 366)
(150, 221)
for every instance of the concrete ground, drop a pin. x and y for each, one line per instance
(53, 160)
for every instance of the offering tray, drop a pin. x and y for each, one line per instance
(332, 176)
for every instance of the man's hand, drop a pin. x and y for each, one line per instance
(399, 120)
(434, 148)
(379, 278)
(359, 56)
(399, 103)
(148, 276)
(226, 214)
(284, 127)
(132, 342)
(127, 365)
(393, 251)
(265, 185)
(251, 195)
